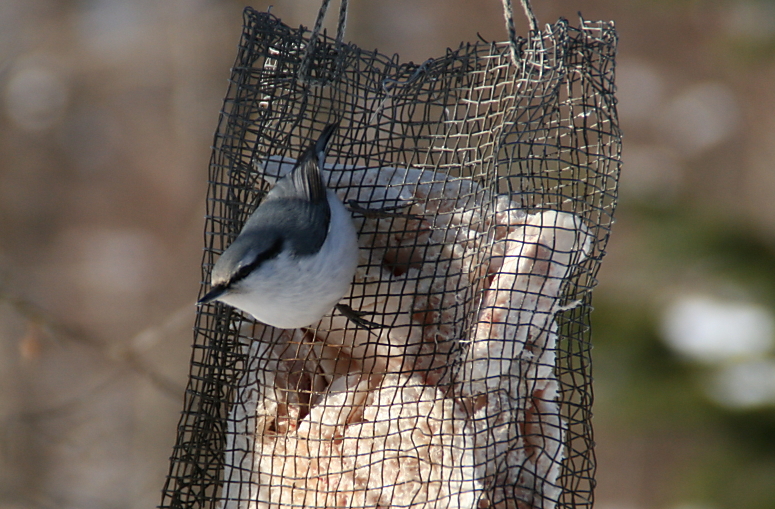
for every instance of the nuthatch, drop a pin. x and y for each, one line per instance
(296, 256)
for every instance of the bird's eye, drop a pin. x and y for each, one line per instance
(268, 254)
(242, 273)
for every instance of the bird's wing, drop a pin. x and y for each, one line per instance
(305, 181)
(302, 224)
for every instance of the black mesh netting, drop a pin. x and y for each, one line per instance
(475, 391)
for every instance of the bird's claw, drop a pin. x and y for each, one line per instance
(357, 318)
(382, 212)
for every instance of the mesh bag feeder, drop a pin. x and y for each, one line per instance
(475, 391)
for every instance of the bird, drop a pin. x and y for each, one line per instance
(296, 256)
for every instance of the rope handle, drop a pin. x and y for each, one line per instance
(313, 38)
(508, 14)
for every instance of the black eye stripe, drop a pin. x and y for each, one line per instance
(272, 252)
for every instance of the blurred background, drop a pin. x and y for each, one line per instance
(107, 112)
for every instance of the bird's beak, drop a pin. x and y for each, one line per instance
(212, 295)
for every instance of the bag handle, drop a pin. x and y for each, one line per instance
(313, 38)
(508, 14)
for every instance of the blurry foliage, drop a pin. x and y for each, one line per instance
(645, 389)
(713, 239)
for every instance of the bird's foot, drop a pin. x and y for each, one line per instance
(382, 212)
(357, 318)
